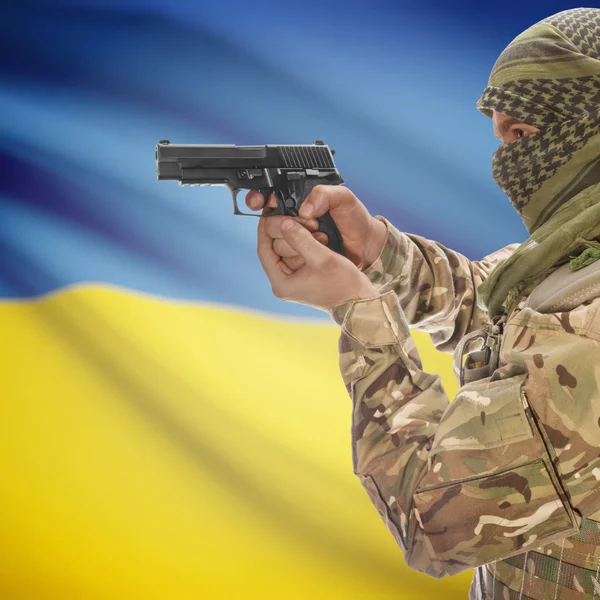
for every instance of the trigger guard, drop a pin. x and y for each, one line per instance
(234, 194)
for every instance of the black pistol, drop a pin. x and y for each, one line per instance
(290, 172)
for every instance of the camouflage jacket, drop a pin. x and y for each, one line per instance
(513, 462)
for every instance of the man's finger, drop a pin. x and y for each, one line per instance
(294, 262)
(272, 201)
(283, 249)
(321, 237)
(273, 225)
(302, 241)
(322, 199)
(286, 268)
(269, 260)
(254, 200)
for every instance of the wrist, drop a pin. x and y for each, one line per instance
(376, 241)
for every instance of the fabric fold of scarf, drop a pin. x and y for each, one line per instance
(552, 245)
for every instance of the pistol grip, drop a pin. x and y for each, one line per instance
(327, 225)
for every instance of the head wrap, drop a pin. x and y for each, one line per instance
(548, 77)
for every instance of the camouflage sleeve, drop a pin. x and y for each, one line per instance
(458, 485)
(436, 287)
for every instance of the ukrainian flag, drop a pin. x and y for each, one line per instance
(170, 429)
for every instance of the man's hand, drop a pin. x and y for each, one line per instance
(363, 235)
(325, 278)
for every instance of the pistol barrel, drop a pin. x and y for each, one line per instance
(287, 172)
(173, 159)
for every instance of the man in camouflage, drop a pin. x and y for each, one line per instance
(504, 479)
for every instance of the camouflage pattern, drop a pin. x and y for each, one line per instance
(548, 77)
(507, 474)
(536, 573)
(567, 234)
(441, 302)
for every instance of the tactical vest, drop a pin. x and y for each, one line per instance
(566, 570)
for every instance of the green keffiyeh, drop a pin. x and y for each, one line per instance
(548, 77)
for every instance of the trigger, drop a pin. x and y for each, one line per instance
(279, 210)
(266, 194)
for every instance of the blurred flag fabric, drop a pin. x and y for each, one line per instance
(169, 428)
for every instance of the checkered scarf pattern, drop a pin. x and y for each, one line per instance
(549, 77)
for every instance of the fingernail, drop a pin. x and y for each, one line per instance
(287, 224)
(306, 210)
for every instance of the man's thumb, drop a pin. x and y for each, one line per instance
(326, 198)
(301, 240)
